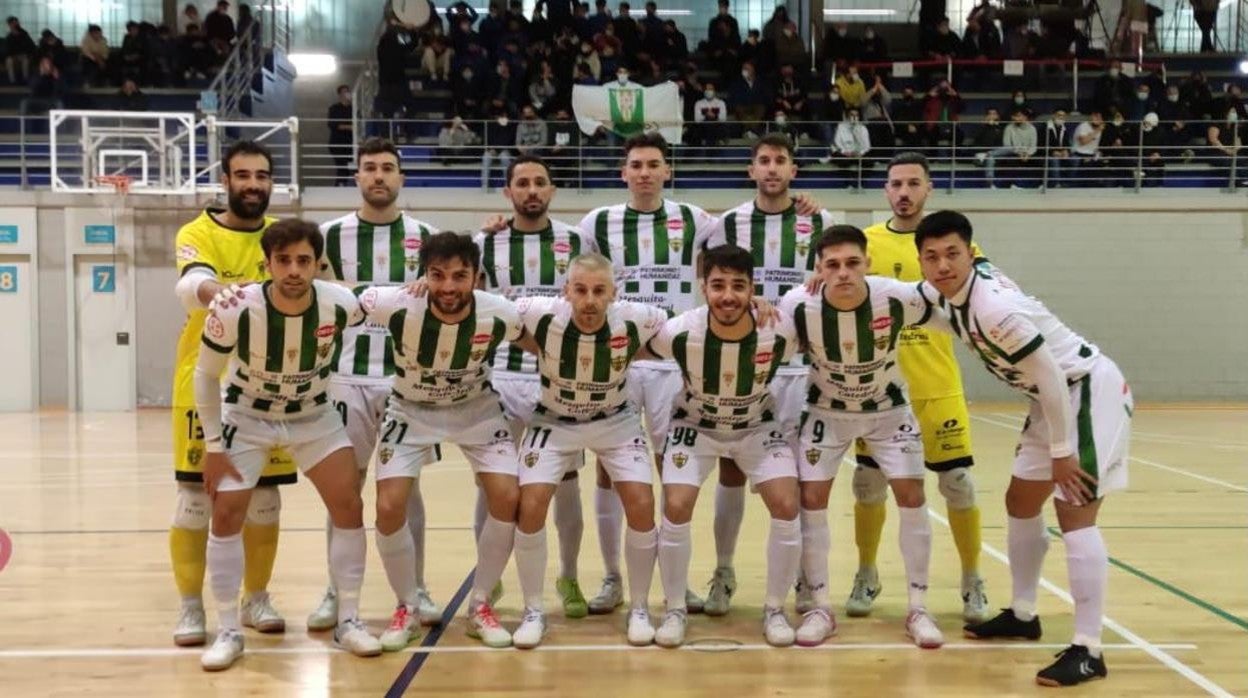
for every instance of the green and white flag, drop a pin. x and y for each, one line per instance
(628, 109)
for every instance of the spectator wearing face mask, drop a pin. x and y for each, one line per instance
(988, 138)
(1113, 89)
(839, 48)
(833, 113)
(563, 147)
(1175, 117)
(1118, 149)
(851, 87)
(1056, 151)
(1225, 138)
(943, 44)
(790, 95)
(1019, 101)
(851, 142)
(1144, 103)
(747, 101)
(1085, 147)
(531, 134)
(873, 48)
(710, 114)
(1152, 151)
(500, 143)
(790, 50)
(341, 134)
(908, 122)
(780, 123)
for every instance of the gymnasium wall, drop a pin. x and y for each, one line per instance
(1158, 280)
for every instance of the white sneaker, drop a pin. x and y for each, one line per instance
(693, 602)
(825, 159)
(866, 587)
(531, 631)
(805, 595)
(974, 600)
(353, 636)
(404, 627)
(981, 157)
(671, 632)
(225, 650)
(484, 626)
(640, 631)
(723, 584)
(325, 617)
(817, 625)
(921, 628)
(776, 628)
(258, 613)
(428, 611)
(610, 597)
(192, 628)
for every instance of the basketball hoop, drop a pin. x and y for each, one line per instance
(120, 182)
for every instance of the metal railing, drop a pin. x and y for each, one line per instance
(233, 82)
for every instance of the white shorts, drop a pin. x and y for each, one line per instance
(893, 437)
(788, 390)
(1101, 406)
(550, 449)
(518, 394)
(248, 440)
(653, 389)
(360, 406)
(763, 453)
(410, 433)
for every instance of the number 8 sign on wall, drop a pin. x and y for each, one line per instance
(8, 279)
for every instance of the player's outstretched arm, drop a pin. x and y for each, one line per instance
(527, 343)
(208, 370)
(1052, 394)
(806, 204)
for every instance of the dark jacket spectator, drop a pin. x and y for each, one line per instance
(51, 46)
(981, 41)
(219, 26)
(195, 54)
(19, 52)
(339, 118)
(943, 43)
(130, 98)
(134, 53)
(1195, 93)
(790, 94)
(839, 47)
(1113, 90)
(789, 47)
(990, 133)
(627, 31)
(392, 52)
(727, 37)
(873, 48)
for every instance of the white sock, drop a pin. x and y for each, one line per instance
(641, 551)
(729, 511)
(329, 541)
(397, 552)
(784, 557)
(916, 551)
(531, 565)
(675, 549)
(493, 549)
(569, 525)
(1027, 543)
(1087, 564)
(816, 545)
(480, 513)
(610, 511)
(347, 552)
(225, 571)
(416, 527)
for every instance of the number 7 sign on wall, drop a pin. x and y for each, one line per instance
(104, 278)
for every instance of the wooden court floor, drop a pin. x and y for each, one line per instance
(87, 600)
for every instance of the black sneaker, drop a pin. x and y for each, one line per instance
(1006, 626)
(1074, 665)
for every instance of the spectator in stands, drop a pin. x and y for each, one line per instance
(751, 50)
(51, 46)
(674, 48)
(189, 16)
(980, 40)
(1225, 137)
(130, 98)
(196, 55)
(165, 55)
(729, 36)
(564, 147)
(872, 49)
(710, 115)
(601, 18)
(988, 139)
(219, 27)
(1019, 101)
(983, 13)
(1143, 103)
(851, 142)
(393, 92)
(46, 89)
(1085, 146)
(341, 135)
(500, 139)
(627, 31)
(1117, 148)
(839, 48)
(19, 52)
(531, 135)
(454, 140)
(94, 52)
(944, 44)
(1234, 102)
(504, 91)
(580, 22)
(1205, 12)
(1174, 116)
(1195, 93)
(651, 26)
(790, 95)
(776, 24)
(833, 114)
(1056, 147)
(1113, 89)
(436, 60)
(491, 28)
(544, 90)
(134, 55)
(460, 17)
(748, 100)
(789, 47)
(584, 76)
(940, 112)
(908, 122)
(875, 111)
(467, 89)
(1018, 43)
(852, 89)
(1152, 151)
(515, 11)
(540, 29)
(1019, 138)
(780, 124)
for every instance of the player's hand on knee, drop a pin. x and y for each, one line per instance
(1075, 482)
(765, 312)
(217, 467)
(417, 288)
(495, 224)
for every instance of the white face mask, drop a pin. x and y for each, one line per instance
(1113, 72)
(853, 75)
(1019, 100)
(710, 94)
(502, 121)
(745, 75)
(869, 35)
(788, 33)
(780, 119)
(1232, 117)
(1059, 122)
(1118, 120)
(622, 77)
(1172, 98)
(1141, 96)
(834, 97)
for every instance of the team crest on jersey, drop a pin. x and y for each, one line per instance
(194, 455)
(881, 341)
(730, 377)
(530, 459)
(292, 354)
(382, 261)
(585, 361)
(561, 265)
(412, 263)
(385, 454)
(847, 346)
(322, 350)
(802, 247)
(477, 354)
(214, 327)
(679, 460)
(618, 362)
(760, 377)
(645, 243)
(675, 244)
(812, 456)
(368, 300)
(763, 357)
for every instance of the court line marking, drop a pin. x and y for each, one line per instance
(831, 646)
(1149, 648)
(429, 643)
(1144, 461)
(295, 529)
(1160, 437)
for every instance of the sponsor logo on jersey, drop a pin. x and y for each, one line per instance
(562, 247)
(411, 243)
(214, 327)
(881, 323)
(675, 224)
(325, 331)
(803, 228)
(897, 269)
(679, 460)
(763, 357)
(482, 338)
(619, 342)
(385, 454)
(187, 253)
(812, 456)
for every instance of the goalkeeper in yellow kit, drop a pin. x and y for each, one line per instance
(930, 369)
(220, 248)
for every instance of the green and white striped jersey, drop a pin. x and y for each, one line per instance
(438, 363)
(519, 264)
(359, 252)
(583, 374)
(1002, 326)
(280, 364)
(725, 382)
(653, 252)
(853, 354)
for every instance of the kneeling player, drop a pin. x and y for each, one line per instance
(280, 340)
(584, 343)
(850, 328)
(726, 411)
(1073, 445)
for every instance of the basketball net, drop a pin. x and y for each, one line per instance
(117, 207)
